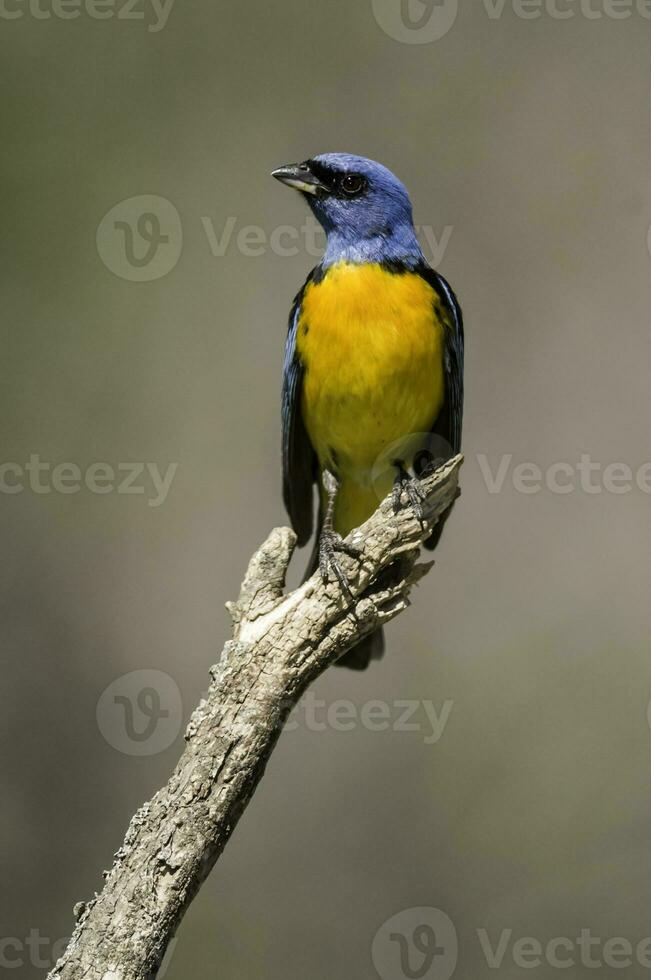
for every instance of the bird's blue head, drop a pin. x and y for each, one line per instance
(363, 208)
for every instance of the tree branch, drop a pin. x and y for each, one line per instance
(280, 644)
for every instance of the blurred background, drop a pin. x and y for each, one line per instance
(149, 263)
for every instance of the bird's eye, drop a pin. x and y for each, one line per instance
(353, 184)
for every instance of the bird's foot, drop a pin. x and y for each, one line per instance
(330, 544)
(410, 485)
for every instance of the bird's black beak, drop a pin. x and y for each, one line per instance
(300, 177)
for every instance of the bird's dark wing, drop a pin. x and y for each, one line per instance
(449, 423)
(299, 458)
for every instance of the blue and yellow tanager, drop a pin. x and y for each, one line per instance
(373, 360)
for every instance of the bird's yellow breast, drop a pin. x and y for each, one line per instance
(371, 342)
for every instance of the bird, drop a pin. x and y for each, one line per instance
(372, 392)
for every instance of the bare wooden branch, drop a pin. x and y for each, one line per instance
(280, 644)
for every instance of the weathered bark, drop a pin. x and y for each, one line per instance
(280, 644)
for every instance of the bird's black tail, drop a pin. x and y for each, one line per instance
(360, 656)
(372, 646)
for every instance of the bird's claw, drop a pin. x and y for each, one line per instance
(330, 543)
(412, 486)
